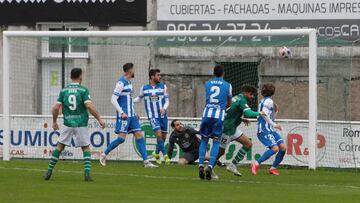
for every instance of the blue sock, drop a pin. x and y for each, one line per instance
(161, 145)
(113, 145)
(266, 156)
(214, 152)
(202, 150)
(157, 149)
(279, 157)
(142, 148)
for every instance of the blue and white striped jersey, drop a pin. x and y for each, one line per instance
(156, 98)
(123, 90)
(266, 105)
(218, 91)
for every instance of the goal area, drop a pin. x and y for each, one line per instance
(315, 87)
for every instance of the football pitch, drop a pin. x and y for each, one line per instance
(21, 181)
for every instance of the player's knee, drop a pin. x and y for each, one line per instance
(282, 147)
(122, 135)
(182, 161)
(60, 147)
(85, 149)
(248, 145)
(221, 152)
(139, 135)
(275, 149)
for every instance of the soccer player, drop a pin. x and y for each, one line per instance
(75, 102)
(232, 132)
(156, 103)
(267, 134)
(126, 119)
(218, 96)
(187, 140)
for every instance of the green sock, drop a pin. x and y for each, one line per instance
(54, 159)
(240, 155)
(87, 162)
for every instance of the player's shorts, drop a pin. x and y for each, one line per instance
(130, 125)
(270, 139)
(80, 135)
(211, 127)
(159, 124)
(226, 139)
(191, 156)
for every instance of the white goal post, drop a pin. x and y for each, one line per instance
(312, 43)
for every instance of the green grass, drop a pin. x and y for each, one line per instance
(21, 181)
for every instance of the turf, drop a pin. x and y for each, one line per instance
(21, 181)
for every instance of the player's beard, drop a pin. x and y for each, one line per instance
(133, 75)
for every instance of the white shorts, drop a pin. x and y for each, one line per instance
(226, 139)
(79, 134)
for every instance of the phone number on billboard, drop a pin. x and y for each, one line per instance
(218, 26)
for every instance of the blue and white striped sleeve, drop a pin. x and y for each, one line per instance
(118, 88)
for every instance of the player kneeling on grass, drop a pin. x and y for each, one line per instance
(233, 119)
(267, 134)
(187, 140)
(75, 102)
(156, 103)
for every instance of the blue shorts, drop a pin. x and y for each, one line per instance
(211, 127)
(131, 125)
(270, 139)
(159, 124)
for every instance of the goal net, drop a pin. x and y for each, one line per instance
(36, 66)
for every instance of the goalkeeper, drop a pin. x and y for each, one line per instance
(232, 121)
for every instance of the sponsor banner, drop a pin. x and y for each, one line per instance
(338, 143)
(330, 18)
(95, 12)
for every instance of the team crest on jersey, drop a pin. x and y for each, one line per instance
(154, 97)
(186, 135)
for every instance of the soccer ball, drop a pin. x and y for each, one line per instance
(285, 52)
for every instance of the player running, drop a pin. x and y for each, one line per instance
(156, 103)
(218, 97)
(75, 102)
(126, 119)
(267, 134)
(232, 132)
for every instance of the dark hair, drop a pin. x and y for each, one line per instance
(248, 88)
(268, 90)
(75, 73)
(153, 72)
(218, 71)
(173, 123)
(127, 66)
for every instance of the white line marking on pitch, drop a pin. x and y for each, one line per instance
(184, 178)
